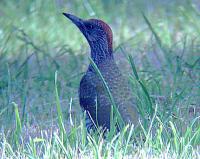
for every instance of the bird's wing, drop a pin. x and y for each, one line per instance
(87, 99)
(87, 93)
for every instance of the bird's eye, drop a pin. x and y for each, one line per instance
(91, 26)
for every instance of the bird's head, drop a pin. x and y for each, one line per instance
(97, 32)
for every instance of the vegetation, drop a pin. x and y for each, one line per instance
(43, 56)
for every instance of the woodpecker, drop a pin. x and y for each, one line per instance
(93, 97)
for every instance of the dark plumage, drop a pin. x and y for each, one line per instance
(92, 94)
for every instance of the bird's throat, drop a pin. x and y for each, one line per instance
(100, 52)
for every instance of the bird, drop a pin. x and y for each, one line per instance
(93, 97)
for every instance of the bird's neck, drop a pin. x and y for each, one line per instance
(100, 52)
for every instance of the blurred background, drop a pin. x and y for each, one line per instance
(44, 23)
(36, 40)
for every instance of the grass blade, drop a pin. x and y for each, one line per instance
(130, 58)
(18, 125)
(151, 110)
(59, 111)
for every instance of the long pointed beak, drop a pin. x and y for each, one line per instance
(77, 21)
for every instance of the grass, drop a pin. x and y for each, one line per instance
(43, 57)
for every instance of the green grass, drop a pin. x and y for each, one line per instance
(43, 57)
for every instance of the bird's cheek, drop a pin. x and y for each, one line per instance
(91, 37)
